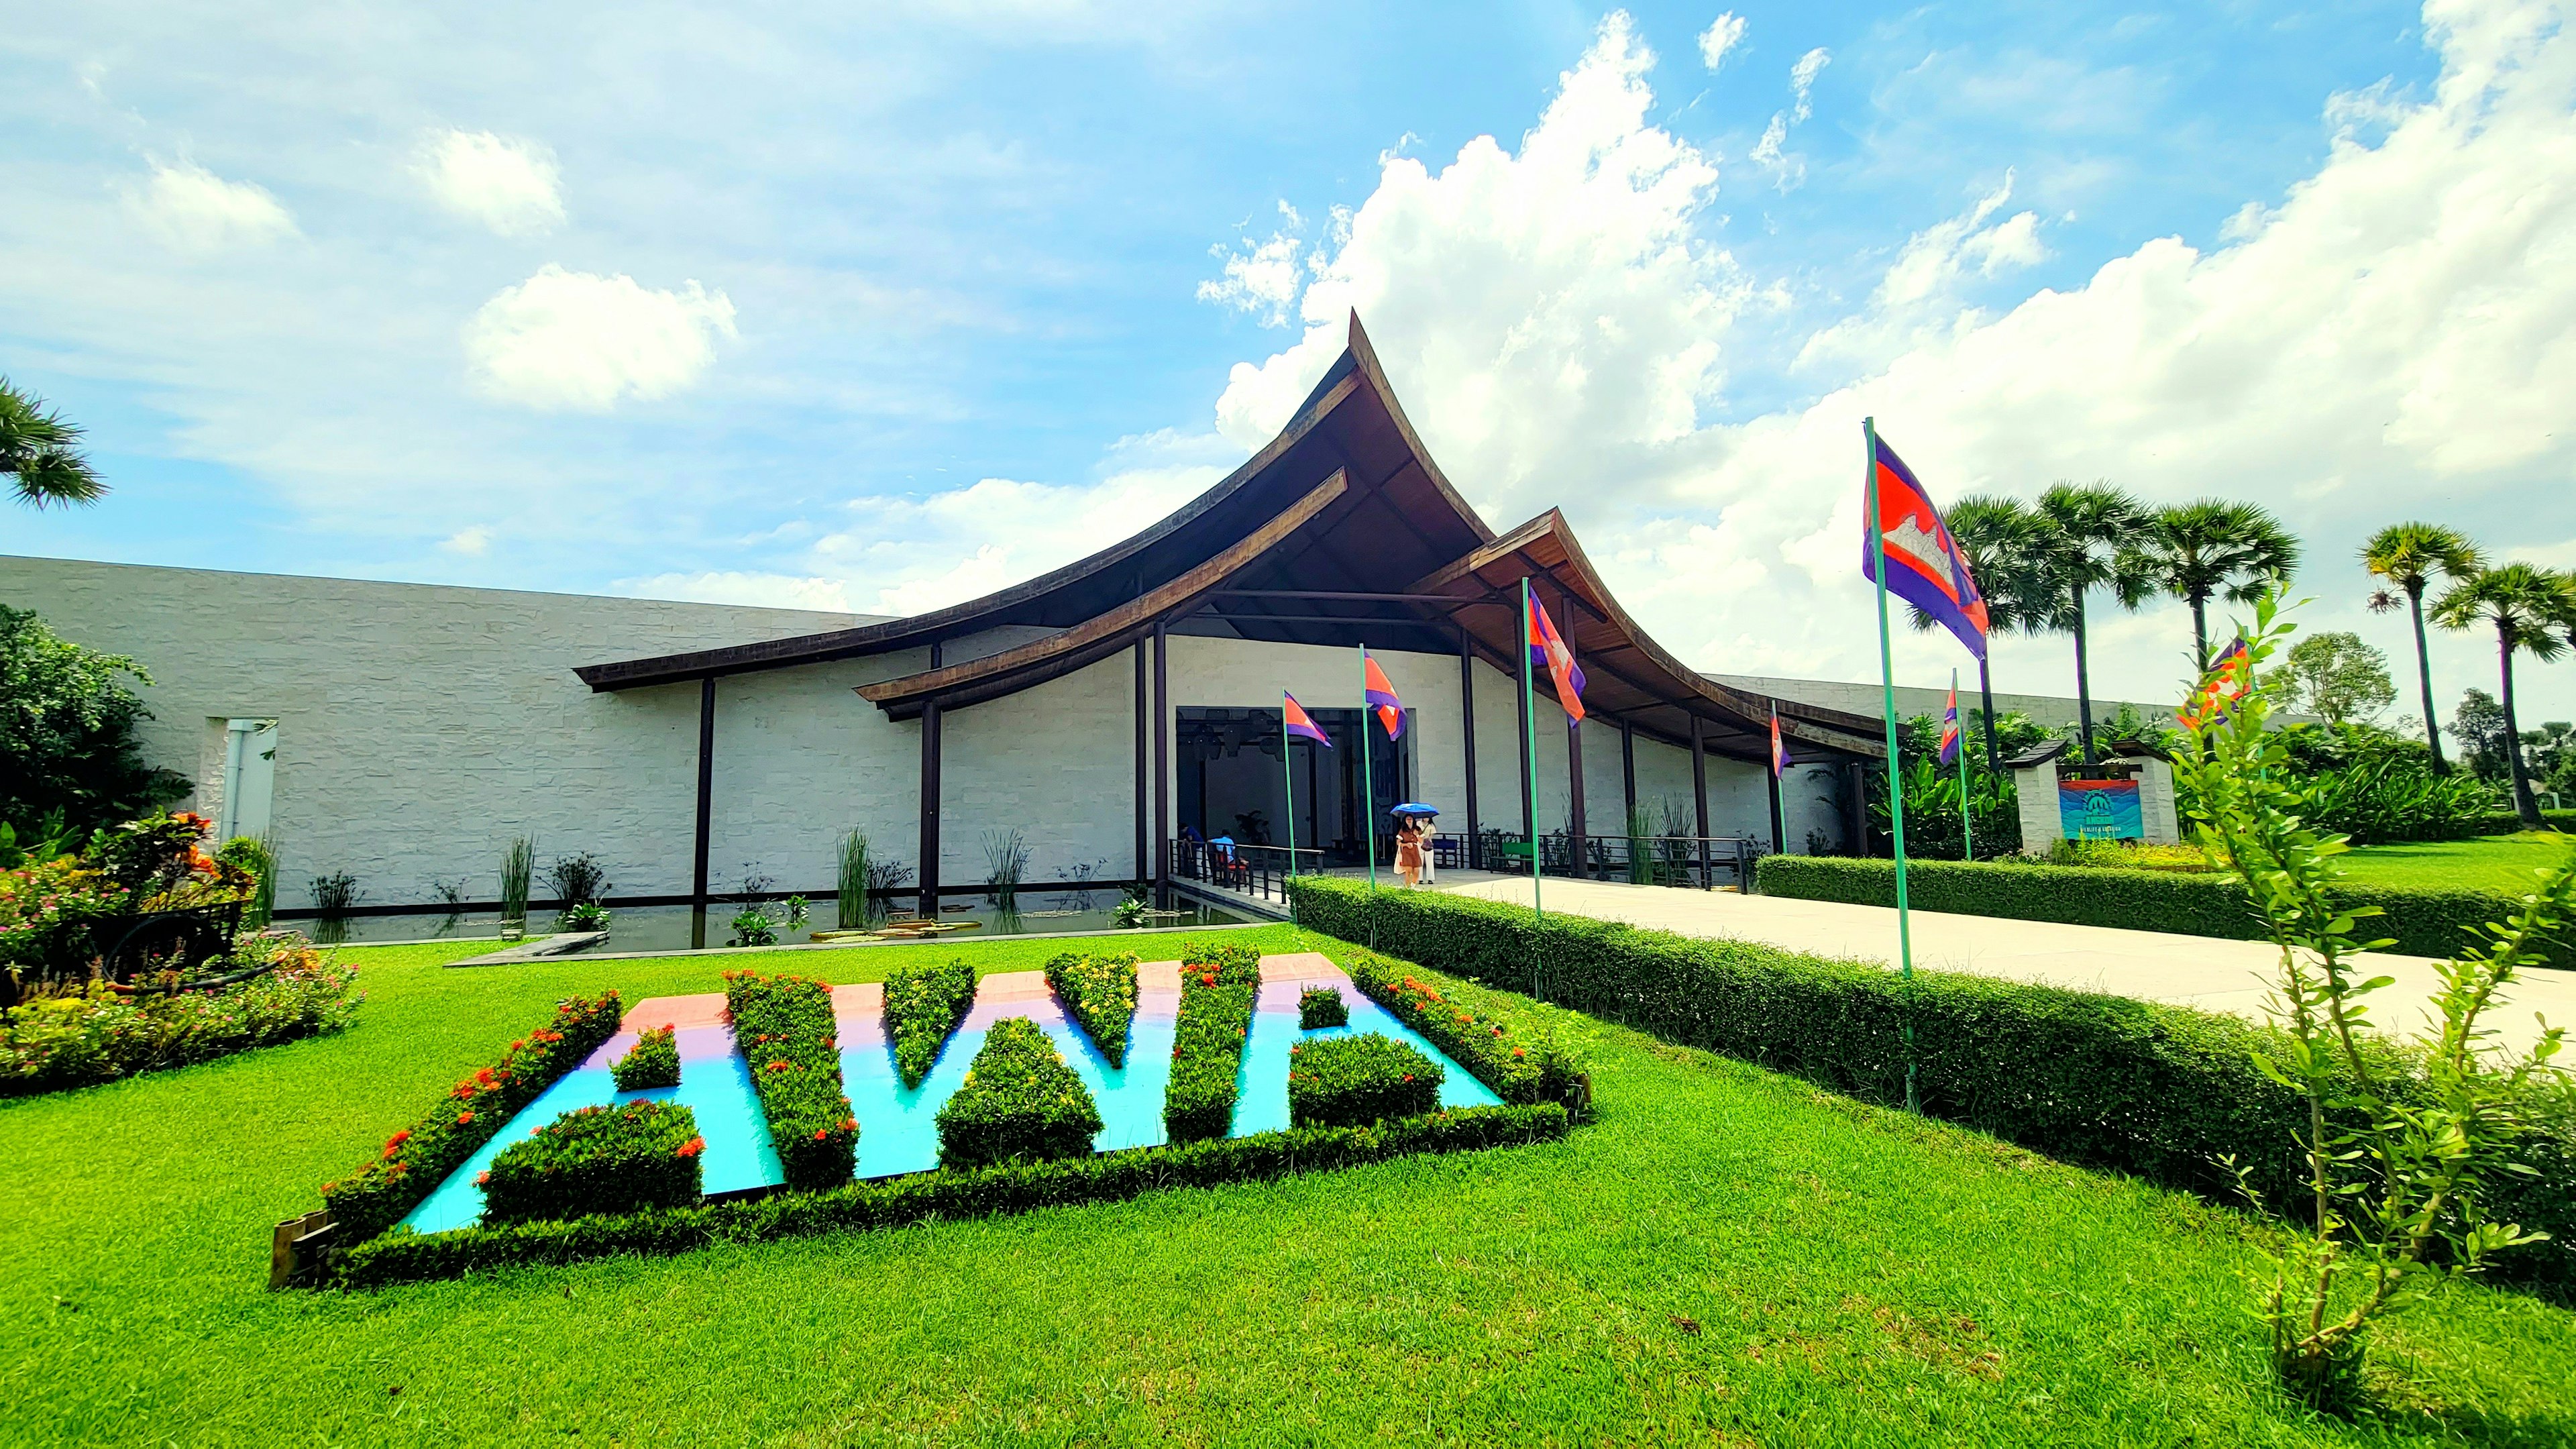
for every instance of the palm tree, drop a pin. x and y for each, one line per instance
(2083, 538)
(38, 452)
(2533, 610)
(1997, 535)
(2216, 549)
(2408, 555)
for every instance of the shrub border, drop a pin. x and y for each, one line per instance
(1208, 1039)
(1104, 1022)
(816, 1148)
(916, 1028)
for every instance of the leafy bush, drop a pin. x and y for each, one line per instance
(1349, 1080)
(2505, 822)
(2423, 920)
(588, 916)
(92, 1033)
(752, 927)
(923, 1004)
(1321, 1006)
(923, 1196)
(578, 880)
(418, 1158)
(1218, 986)
(68, 730)
(2162, 1092)
(1020, 1103)
(598, 1160)
(51, 909)
(654, 1061)
(1481, 1030)
(783, 1027)
(1099, 992)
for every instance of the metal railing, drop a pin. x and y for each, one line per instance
(1667, 860)
(1259, 871)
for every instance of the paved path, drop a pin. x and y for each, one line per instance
(2196, 971)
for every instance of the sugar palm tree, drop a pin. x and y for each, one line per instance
(2083, 537)
(2533, 611)
(2213, 548)
(1997, 534)
(2408, 555)
(38, 451)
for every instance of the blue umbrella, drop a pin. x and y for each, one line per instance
(1414, 807)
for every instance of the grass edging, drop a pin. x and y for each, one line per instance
(402, 1256)
(2435, 921)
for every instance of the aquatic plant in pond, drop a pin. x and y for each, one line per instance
(924, 1002)
(518, 870)
(598, 1160)
(752, 927)
(1099, 992)
(1006, 862)
(856, 909)
(654, 1061)
(1019, 1103)
(577, 879)
(1351, 1081)
(588, 916)
(335, 895)
(797, 907)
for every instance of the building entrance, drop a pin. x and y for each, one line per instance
(1230, 782)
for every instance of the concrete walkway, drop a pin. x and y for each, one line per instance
(2198, 971)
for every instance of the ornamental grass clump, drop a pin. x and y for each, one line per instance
(1218, 985)
(1020, 1103)
(654, 1061)
(618, 1159)
(415, 1160)
(923, 1004)
(1099, 992)
(1322, 1006)
(2401, 1160)
(1351, 1081)
(783, 1027)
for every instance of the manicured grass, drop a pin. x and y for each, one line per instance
(1725, 1256)
(2502, 863)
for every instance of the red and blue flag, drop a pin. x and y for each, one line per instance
(1780, 760)
(1950, 725)
(2229, 676)
(1293, 715)
(1924, 565)
(1378, 693)
(1549, 648)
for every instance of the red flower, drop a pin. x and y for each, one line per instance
(464, 1117)
(1408, 1076)
(778, 1066)
(1520, 1051)
(1207, 978)
(481, 1178)
(818, 1134)
(394, 1143)
(692, 1147)
(1498, 1031)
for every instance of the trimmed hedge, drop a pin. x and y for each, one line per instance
(1322, 1006)
(1346, 1081)
(2509, 823)
(2426, 921)
(2102, 1081)
(923, 1005)
(783, 1027)
(598, 1160)
(1020, 1103)
(654, 1061)
(419, 1157)
(1480, 1030)
(1100, 993)
(920, 1197)
(1218, 987)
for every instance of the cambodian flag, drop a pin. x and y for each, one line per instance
(1780, 760)
(2230, 675)
(1924, 565)
(1548, 647)
(1950, 724)
(1294, 716)
(1377, 692)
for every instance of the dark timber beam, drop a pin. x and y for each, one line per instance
(930, 792)
(1467, 716)
(706, 786)
(1144, 836)
(1574, 777)
(1628, 772)
(1162, 763)
(1699, 797)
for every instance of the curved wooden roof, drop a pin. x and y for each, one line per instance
(1341, 529)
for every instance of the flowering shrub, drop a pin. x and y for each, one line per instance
(1218, 984)
(1020, 1103)
(418, 1158)
(1478, 1029)
(1099, 992)
(1320, 1006)
(93, 1033)
(782, 1025)
(654, 1061)
(48, 907)
(598, 1160)
(1349, 1081)
(923, 1005)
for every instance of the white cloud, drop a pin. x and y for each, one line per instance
(472, 542)
(1802, 80)
(511, 186)
(192, 209)
(1722, 35)
(1260, 277)
(1920, 291)
(572, 340)
(1788, 170)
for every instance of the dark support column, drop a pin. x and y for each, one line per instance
(1857, 778)
(1144, 838)
(1699, 795)
(1628, 772)
(930, 802)
(1467, 713)
(1162, 762)
(706, 785)
(1581, 853)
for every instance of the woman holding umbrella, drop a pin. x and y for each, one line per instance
(1413, 842)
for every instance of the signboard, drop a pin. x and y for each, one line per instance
(2100, 810)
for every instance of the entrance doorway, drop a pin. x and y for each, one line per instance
(1231, 784)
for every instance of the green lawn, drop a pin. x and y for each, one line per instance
(1726, 1256)
(2490, 863)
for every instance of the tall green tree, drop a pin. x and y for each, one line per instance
(2215, 549)
(2336, 676)
(40, 452)
(67, 731)
(1998, 536)
(2084, 537)
(2409, 555)
(2533, 611)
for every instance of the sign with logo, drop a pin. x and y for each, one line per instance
(2100, 810)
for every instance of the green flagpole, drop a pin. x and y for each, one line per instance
(1895, 780)
(1288, 779)
(1529, 747)
(1368, 782)
(1967, 814)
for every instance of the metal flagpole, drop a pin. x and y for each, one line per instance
(1895, 779)
(1967, 812)
(1529, 780)
(1288, 778)
(1368, 783)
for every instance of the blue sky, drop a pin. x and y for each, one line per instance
(880, 313)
